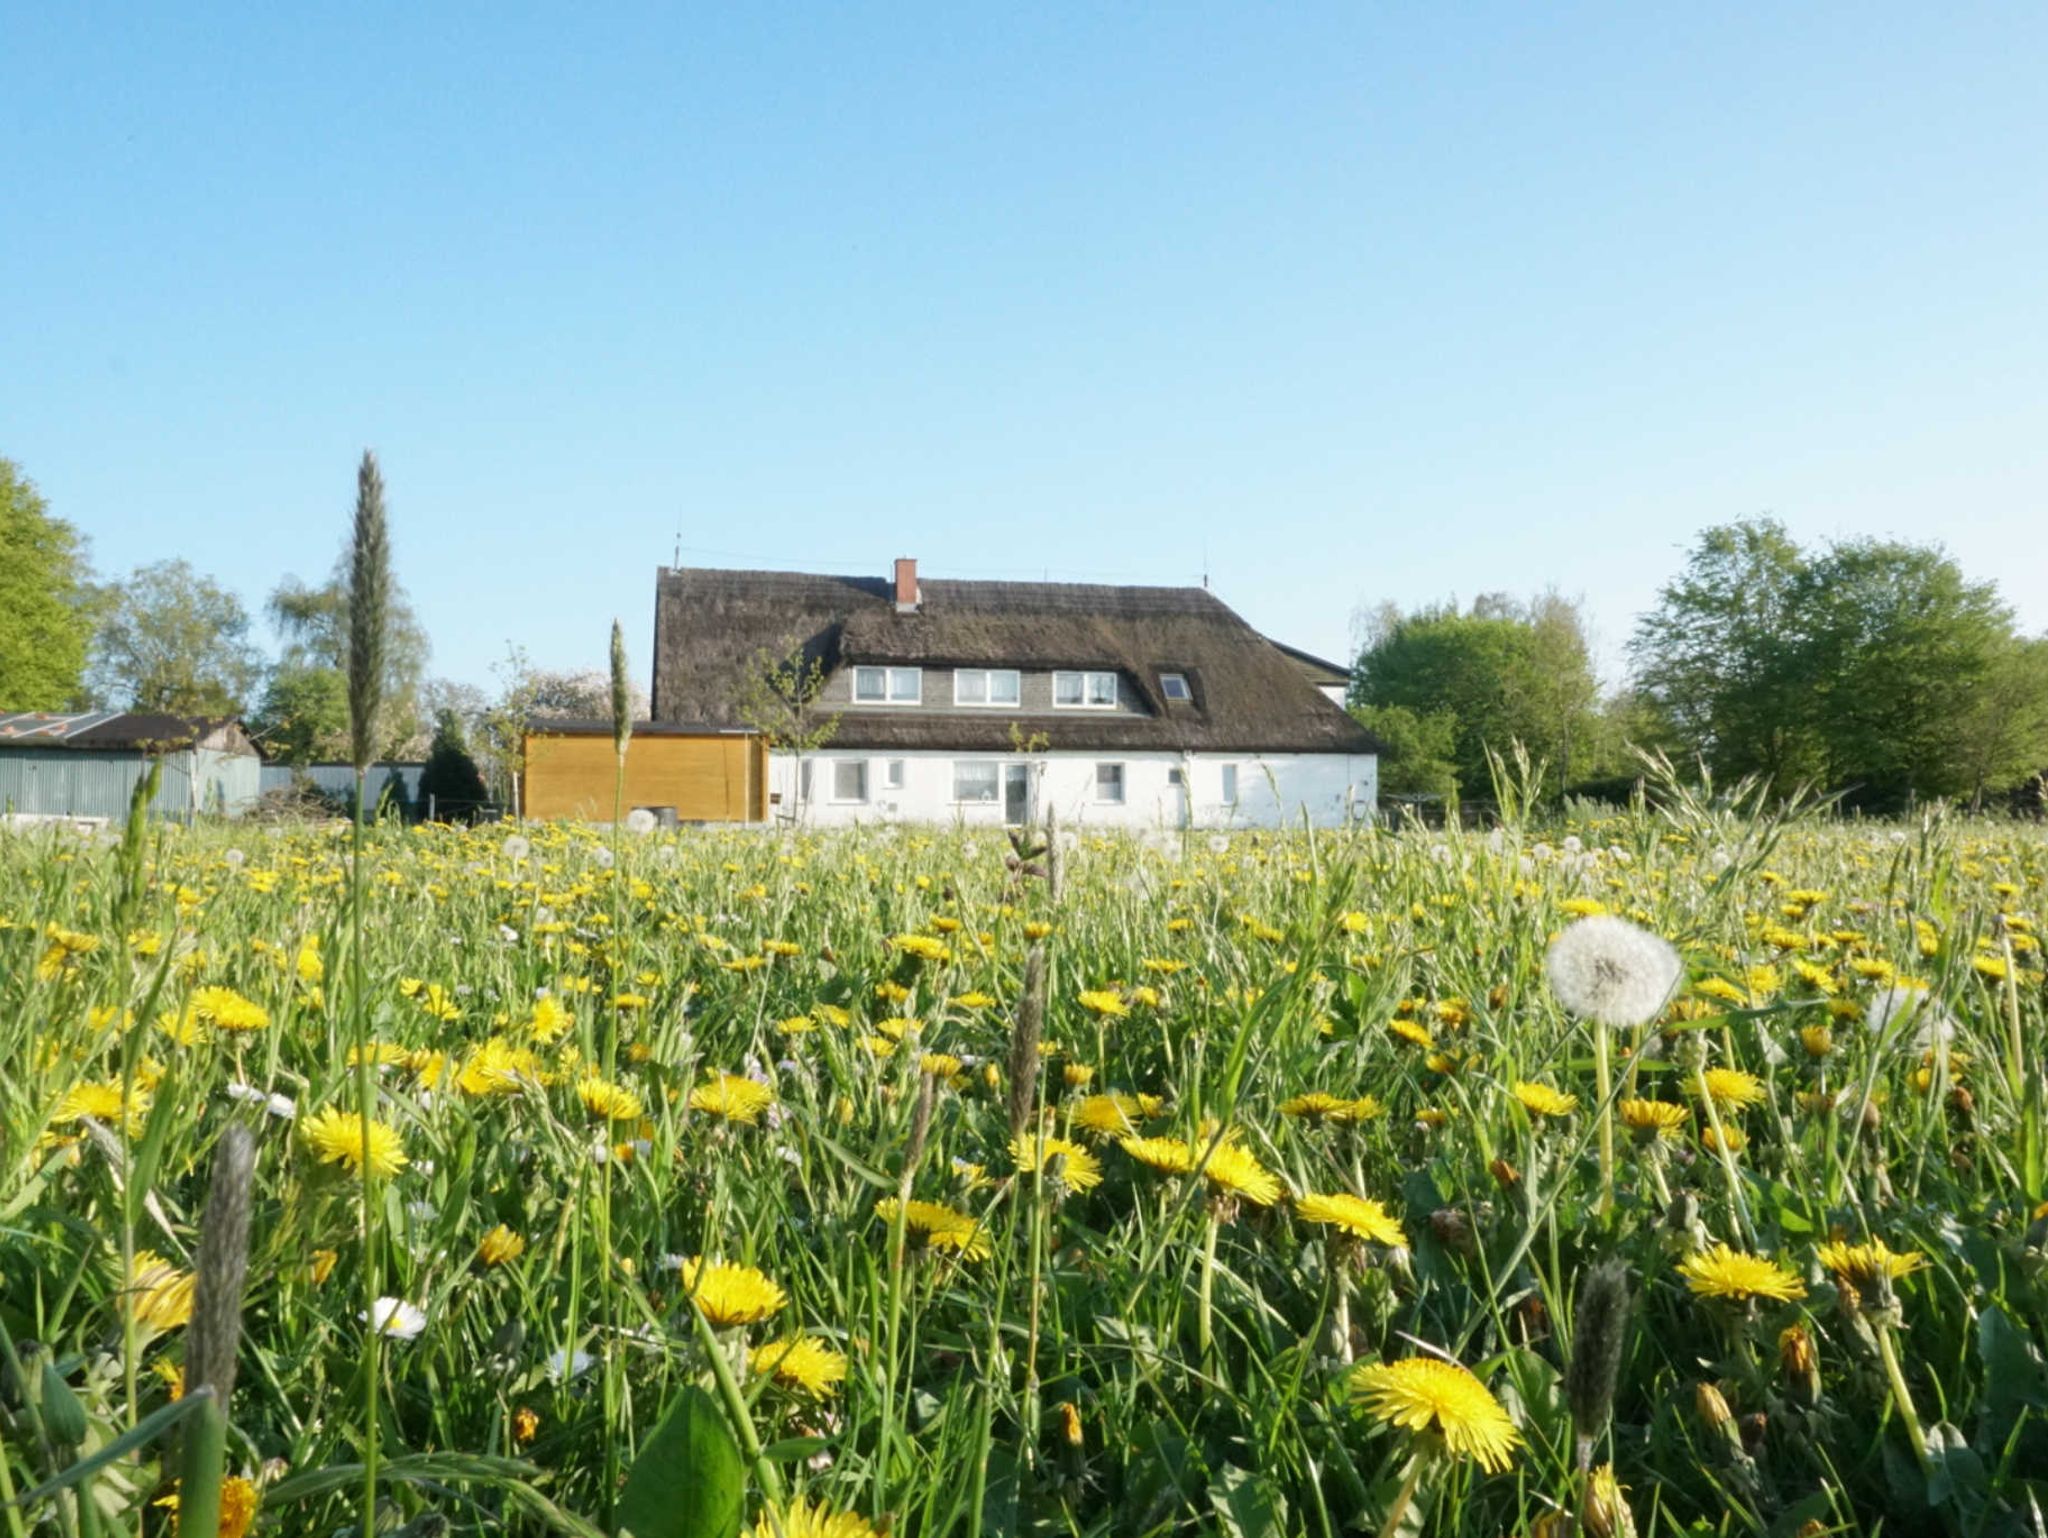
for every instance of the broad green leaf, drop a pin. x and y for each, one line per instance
(689, 1480)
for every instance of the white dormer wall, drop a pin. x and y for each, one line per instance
(1273, 789)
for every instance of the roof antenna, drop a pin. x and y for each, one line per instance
(1205, 566)
(679, 549)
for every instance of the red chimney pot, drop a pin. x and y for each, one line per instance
(906, 583)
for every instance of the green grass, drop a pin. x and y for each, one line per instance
(1060, 1384)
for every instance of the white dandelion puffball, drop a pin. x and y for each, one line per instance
(640, 820)
(1604, 968)
(399, 1319)
(601, 857)
(1933, 1026)
(516, 848)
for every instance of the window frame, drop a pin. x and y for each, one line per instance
(860, 764)
(1166, 686)
(890, 678)
(1123, 783)
(1087, 676)
(994, 766)
(988, 676)
(1228, 783)
(894, 772)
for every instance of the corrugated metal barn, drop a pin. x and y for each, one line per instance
(87, 765)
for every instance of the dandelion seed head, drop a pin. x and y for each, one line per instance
(1607, 970)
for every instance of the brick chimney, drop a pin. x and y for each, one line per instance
(906, 585)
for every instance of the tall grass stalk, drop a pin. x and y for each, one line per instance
(369, 619)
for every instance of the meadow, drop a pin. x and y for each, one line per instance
(1250, 1184)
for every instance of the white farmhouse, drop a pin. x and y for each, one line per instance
(990, 702)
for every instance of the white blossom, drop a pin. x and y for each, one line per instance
(399, 1319)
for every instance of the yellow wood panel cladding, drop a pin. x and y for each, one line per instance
(706, 779)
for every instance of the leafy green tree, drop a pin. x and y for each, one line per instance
(1721, 658)
(1501, 673)
(175, 641)
(1874, 669)
(303, 718)
(47, 608)
(451, 784)
(1901, 649)
(313, 624)
(1417, 748)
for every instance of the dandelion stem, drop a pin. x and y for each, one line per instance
(1204, 1329)
(736, 1409)
(1402, 1496)
(1902, 1396)
(1603, 1072)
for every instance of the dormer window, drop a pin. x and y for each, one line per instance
(888, 686)
(1084, 691)
(1175, 686)
(987, 686)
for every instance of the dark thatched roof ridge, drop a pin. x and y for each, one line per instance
(1250, 696)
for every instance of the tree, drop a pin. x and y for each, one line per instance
(1466, 682)
(778, 697)
(313, 623)
(1874, 669)
(1416, 749)
(1720, 656)
(303, 718)
(451, 784)
(47, 608)
(175, 641)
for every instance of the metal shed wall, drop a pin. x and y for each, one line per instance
(72, 782)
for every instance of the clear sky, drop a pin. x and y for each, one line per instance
(1344, 303)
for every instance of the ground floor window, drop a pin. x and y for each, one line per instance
(892, 774)
(976, 781)
(1109, 783)
(1229, 783)
(849, 779)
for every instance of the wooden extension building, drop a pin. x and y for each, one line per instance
(680, 773)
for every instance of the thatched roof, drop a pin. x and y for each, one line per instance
(711, 626)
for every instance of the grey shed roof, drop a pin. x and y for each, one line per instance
(1249, 695)
(114, 731)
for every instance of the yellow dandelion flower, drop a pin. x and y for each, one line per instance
(801, 1362)
(228, 1010)
(1731, 1088)
(1318, 1106)
(1723, 1139)
(1653, 1119)
(159, 1294)
(1862, 1264)
(1441, 1399)
(1168, 1154)
(238, 1500)
(336, 1137)
(1359, 1215)
(1103, 1002)
(613, 1102)
(732, 1097)
(1234, 1169)
(800, 1519)
(943, 1227)
(1719, 1272)
(499, 1246)
(1075, 1165)
(1115, 1114)
(1542, 1100)
(729, 1294)
(923, 947)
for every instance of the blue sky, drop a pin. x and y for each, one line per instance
(1346, 303)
